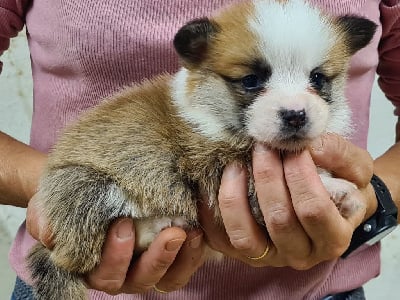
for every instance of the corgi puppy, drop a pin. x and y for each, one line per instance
(269, 71)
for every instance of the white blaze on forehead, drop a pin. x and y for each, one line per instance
(294, 38)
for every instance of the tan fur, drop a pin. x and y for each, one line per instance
(338, 56)
(233, 57)
(142, 120)
(146, 116)
(136, 146)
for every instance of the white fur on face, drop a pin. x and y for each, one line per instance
(265, 125)
(202, 107)
(294, 39)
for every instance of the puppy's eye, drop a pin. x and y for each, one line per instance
(252, 83)
(317, 79)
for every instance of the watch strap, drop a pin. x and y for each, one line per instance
(385, 201)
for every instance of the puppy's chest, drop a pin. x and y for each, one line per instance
(203, 164)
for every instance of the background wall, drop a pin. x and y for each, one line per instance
(15, 116)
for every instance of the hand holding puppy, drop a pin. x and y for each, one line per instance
(303, 231)
(304, 225)
(168, 264)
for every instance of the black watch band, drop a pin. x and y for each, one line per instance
(381, 223)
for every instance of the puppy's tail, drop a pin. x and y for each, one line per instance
(52, 282)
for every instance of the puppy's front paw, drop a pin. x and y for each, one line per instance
(147, 229)
(341, 192)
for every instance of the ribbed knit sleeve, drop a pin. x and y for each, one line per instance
(389, 52)
(12, 21)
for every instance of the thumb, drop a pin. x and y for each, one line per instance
(342, 158)
(36, 223)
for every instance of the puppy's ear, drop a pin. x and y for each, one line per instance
(192, 40)
(359, 31)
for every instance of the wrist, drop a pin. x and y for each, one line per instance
(29, 174)
(20, 169)
(386, 167)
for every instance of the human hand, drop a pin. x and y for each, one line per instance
(168, 263)
(304, 225)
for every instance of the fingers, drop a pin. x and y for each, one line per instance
(345, 160)
(168, 263)
(189, 259)
(36, 223)
(329, 232)
(109, 275)
(32, 219)
(153, 264)
(218, 239)
(244, 233)
(157, 265)
(289, 240)
(215, 234)
(304, 225)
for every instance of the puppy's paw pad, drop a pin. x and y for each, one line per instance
(180, 222)
(341, 193)
(147, 229)
(156, 225)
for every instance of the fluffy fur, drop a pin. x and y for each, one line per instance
(267, 71)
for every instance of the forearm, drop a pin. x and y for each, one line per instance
(387, 167)
(20, 169)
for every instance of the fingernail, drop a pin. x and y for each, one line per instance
(125, 229)
(231, 171)
(261, 148)
(174, 245)
(196, 242)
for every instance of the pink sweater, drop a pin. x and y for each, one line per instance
(84, 50)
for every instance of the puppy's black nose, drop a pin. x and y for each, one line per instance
(293, 118)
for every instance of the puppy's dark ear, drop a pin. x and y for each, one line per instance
(192, 40)
(359, 31)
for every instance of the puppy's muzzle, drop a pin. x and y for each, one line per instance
(293, 119)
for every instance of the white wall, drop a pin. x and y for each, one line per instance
(15, 116)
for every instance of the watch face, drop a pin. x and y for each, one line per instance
(380, 235)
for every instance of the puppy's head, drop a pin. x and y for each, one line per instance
(273, 70)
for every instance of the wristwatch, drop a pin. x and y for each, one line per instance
(380, 224)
